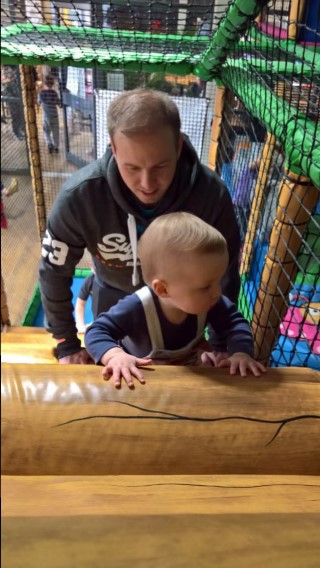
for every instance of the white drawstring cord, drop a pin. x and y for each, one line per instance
(132, 228)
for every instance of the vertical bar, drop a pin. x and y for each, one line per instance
(256, 206)
(216, 126)
(46, 10)
(28, 88)
(5, 319)
(182, 16)
(295, 16)
(297, 199)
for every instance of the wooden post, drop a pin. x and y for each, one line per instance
(5, 320)
(216, 126)
(295, 15)
(28, 89)
(297, 199)
(46, 8)
(257, 201)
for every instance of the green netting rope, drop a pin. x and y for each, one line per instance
(299, 136)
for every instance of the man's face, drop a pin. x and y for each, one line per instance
(147, 162)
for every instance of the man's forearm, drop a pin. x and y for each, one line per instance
(67, 347)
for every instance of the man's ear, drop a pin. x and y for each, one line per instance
(180, 144)
(113, 148)
(160, 287)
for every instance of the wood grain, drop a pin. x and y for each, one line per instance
(125, 495)
(65, 420)
(163, 522)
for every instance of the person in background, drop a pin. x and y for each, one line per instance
(183, 260)
(50, 101)
(204, 26)
(84, 293)
(7, 192)
(10, 93)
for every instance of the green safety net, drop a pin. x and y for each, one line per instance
(299, 136)
(309, 56)
(262, 71)
(289, 68)
(235, 23)
(129, 35)
(309, 53)
(105, 48)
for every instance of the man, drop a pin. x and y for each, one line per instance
(11, 95)
(149, 169)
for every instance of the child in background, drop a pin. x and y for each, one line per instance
(13, 188)
(183, 260)
(49, 100)
(84, 293)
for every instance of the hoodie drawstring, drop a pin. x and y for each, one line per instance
(132, 228)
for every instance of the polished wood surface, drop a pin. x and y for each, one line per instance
(161, 521)
(27, 345)
(121, 495)
(65, 420)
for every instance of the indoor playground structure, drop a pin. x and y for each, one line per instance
(245, 76)
(197, 468)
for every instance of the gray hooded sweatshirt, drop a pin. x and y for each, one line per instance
(96, 210)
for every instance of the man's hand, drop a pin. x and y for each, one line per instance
(212, 358)
(242, 362)
(119, 364)
(82, 357)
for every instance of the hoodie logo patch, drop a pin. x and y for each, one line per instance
(115, 246)
(55, 251)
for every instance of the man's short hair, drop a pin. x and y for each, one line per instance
(169, 236)
(142, 111)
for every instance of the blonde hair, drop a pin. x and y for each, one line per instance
(142, 111)
(169, 236)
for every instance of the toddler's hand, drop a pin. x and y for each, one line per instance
(242, 362)
(121, 365)
(212, 358)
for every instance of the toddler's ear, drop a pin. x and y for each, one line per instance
(160, 288)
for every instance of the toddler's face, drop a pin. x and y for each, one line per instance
(195, 286)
